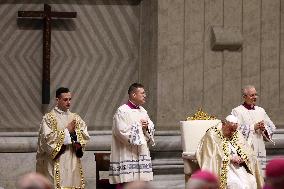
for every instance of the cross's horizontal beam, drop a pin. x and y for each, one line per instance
(63, 14)
(41, 14)
(30, 14)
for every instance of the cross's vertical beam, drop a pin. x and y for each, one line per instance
(47, 16)
(46, 55)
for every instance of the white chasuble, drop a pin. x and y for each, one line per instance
(247, 119)
(130, 158)
(62, 167)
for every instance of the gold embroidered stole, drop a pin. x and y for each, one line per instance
(51, 117)
(226, 159)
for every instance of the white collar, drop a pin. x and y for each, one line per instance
(60, 111)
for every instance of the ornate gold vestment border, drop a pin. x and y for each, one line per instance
(52, 120)
(78, 130)
(226, 159)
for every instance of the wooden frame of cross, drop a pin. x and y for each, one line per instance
(46, 16)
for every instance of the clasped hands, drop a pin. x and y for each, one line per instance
(259, 126)
(144, 123)
(236, 160)
(71, 126)
(77, 146)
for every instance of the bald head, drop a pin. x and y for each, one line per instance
(33, 181)
(137, 185)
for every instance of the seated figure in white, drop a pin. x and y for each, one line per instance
(224, 151)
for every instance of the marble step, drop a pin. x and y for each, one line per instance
(167, 166)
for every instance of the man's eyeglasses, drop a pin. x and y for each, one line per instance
(252, 95)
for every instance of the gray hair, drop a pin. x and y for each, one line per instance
(245, 88)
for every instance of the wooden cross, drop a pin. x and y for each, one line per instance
(47, 16)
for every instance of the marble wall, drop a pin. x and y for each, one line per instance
(97, 55)
(191, 75)
(164, 44)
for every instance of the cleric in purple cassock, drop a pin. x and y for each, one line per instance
(254, 123)
(132, 132)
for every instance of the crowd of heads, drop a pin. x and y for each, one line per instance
(274, 173)
(33, 181)
(200, 179)
(203, 179)
(137, 185)
(274, 177)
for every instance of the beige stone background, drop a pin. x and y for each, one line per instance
(96, 55)
(165, 44)
(191, 75)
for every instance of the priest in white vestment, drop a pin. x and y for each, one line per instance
(224, 151)
(254, 123)
(132, 132)
(62, 139)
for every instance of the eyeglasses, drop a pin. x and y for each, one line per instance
(252, 95)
